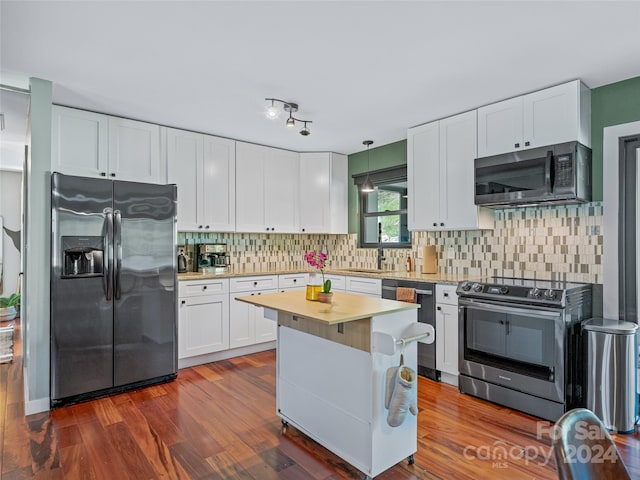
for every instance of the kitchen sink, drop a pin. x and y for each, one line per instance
(363, 270)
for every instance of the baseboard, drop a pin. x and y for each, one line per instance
(225, 354)
(37, 406)
(449, 378)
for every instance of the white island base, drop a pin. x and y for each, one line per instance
(331, 377)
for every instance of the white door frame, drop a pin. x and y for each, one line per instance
(610, 200)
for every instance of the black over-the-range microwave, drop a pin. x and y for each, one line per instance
(553, 174)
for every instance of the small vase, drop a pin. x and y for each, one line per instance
(313, 291)
(325, 297)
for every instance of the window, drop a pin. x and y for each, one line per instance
(383, 212)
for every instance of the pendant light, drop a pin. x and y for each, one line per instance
(367, 186)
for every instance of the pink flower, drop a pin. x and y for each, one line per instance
(319, 260)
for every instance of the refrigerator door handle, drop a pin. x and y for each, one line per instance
(117, 247)
(108, 242)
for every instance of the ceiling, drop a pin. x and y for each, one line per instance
(358, 69)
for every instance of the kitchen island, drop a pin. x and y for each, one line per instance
(332, 361)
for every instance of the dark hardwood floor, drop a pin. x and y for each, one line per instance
(218, 421)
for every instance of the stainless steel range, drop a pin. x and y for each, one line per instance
(520, 343)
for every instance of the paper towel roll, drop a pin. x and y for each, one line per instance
(429, 259)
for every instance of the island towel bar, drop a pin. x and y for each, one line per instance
(415, 338)
(388, 344)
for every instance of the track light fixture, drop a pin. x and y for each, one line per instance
(367, 186)
(272, 112)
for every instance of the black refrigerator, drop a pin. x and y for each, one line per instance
(113, 286)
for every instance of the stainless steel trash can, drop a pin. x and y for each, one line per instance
(612, 355)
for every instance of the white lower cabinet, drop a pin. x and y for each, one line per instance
(338, 282)
(364, 286)
(447, 333)
(203, 317)
(247, 323)
(292, 281)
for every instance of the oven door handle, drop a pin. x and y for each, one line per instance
(507, 309)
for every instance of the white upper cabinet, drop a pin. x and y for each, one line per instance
(95, 145)
(440, 158)
(79, 142)
(553, 115)
(251, 162)
(134, 151)
(219, 183)
(184, 168)
(323, 193)
(266, 189)
(500, 127)
(281, 175)
(203, 168)
(423, 176)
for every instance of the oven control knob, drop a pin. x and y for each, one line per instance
(535, 293)
(504, 290)
(477, 287)
(466, 286)
(550, 294)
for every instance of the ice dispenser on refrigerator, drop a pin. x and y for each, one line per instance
(82, 257)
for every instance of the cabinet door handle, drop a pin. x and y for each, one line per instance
(526, 144)
(206, 226)
(200, 226)
(517, 145)
(438, 308)
(272, 229)
(255, 283)
(183, 302)
(303, 229)
(113, 174)
(441, 224)
(204, 287)
(103, 174)
(267, 229)
(445, 294)
(295, 280)
(435, 224)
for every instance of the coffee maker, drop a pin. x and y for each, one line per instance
(213, 258)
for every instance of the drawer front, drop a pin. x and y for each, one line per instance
(338, 282)
(370, 286)
(196, 288)
(294, 280)
(446, 294)
(253, 283)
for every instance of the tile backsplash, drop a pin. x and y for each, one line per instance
(561, 242)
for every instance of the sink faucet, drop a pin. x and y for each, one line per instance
(380, 250)
(380, 256)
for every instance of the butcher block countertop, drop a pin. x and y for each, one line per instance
(345, 307)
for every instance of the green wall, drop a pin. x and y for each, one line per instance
(611, 104)
(389, 155)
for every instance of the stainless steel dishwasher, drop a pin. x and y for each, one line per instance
(425, 293)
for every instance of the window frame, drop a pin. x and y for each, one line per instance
(379, 178)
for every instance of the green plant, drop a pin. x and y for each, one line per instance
(326, 286)
(11, 301)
